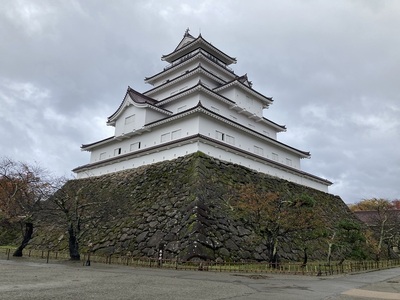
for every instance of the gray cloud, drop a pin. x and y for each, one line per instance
(331, 67)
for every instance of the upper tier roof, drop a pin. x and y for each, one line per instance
(189, 43)
(186, 60)
(246, 85)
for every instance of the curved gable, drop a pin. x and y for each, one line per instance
(133, 97)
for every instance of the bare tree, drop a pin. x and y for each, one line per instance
(22, 189)
(80, 210)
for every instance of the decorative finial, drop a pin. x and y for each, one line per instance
(187, 31)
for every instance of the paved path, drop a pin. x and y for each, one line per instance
(29, 279)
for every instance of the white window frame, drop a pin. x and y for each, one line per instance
(275, 156)
(165, 137)
(103, 155)
(289, 162)
(134, 146)
(258, 150)
(229, 139)
(117, 151)
(215, 109)
(176, 134)
(129, 119)
(182, 108)
(219, 135)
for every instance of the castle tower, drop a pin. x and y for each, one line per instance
(197, 103)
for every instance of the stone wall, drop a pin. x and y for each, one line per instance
(182, 206)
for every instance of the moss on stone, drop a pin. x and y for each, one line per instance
(178, 199)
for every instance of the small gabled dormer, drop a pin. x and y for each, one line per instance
(135, 111)
(248, 101)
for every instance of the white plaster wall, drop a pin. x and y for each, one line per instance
(224, 155)
(153, 115)
(249, 102)
(244, 100)
(244, 141)
(183, 103)
(182, 85)
(135, 162)
(219, 153)
(204, 125)
(142, 116)
(228, 93)
(139, 120)
(187, 127)
(225, 110)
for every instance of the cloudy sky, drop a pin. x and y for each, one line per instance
(332, 67)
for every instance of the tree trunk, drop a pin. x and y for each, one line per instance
(273, 258)
(305, 258)
(330, 245)
(25, 240)
(381, 236)
(329, 253)
(73, 244)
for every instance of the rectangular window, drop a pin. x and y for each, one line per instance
(229, 139)
(165, 137)
(117, 151)
(176, 134)
(275, 156)
(134, 146)
(213, 108)
(130, 119)
(258, 150)
(219, 135)
(182, 108)
(103, 155)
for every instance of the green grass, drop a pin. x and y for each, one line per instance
(8, 247)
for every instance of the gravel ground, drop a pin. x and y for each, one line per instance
(26, 278)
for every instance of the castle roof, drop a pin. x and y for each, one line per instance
(138, 99)
(189, 58)
(198, 69)
(198, 87)
(189, 43)
(242, 83)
